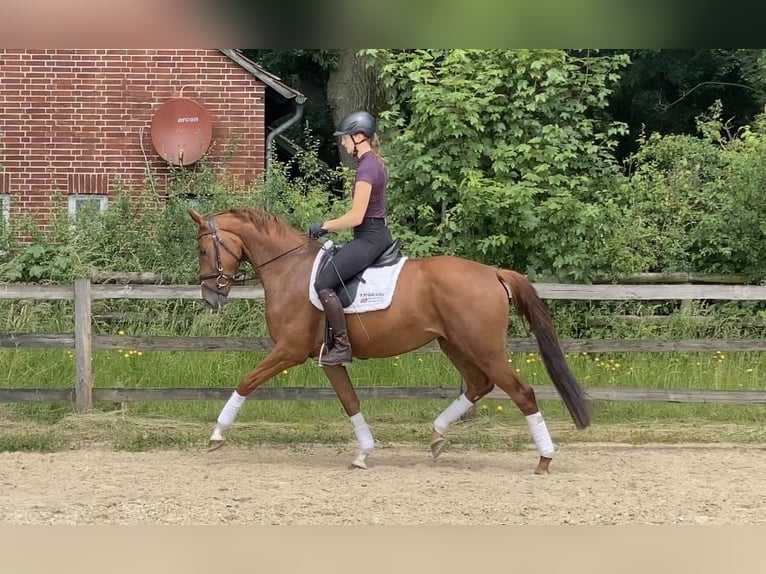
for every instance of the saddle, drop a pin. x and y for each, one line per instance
(347, 293)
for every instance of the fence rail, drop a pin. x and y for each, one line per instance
(565, 291)
(84, 342)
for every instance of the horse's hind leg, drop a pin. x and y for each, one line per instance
(523, 396)
(477, 385)
(481, 377)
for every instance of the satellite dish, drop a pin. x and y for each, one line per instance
(181, 131)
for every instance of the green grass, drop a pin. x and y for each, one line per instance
(129, 369)
(31, 442)
(23, 427)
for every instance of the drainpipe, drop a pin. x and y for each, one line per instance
(274, 133)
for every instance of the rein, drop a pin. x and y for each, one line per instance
(223, 279)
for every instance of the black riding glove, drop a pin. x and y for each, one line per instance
(316, 230)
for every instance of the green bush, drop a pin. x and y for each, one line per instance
(692, 204)
(141, 231)
(500, 155)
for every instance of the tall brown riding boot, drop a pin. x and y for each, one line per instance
(340, 354)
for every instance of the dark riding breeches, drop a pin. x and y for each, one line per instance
(371, 238)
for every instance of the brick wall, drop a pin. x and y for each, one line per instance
(72, 120)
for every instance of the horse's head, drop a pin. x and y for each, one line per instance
(220, 253)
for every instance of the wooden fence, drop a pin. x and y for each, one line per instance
(82, 340)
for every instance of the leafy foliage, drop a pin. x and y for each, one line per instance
(504, 156)
(143, 232)
(500, 154)
(307, 70)
(664, 90)
(692, 203)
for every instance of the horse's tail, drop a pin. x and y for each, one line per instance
(535, 311)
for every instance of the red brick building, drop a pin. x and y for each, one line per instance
(75, 124)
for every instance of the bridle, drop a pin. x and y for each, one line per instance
(223, 279)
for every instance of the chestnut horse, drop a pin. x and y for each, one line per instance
(462, 304)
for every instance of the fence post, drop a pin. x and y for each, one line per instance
(83, 348)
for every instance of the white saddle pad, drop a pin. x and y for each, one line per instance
(375, 291)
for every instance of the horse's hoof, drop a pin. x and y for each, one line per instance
(436, 447)
(542, 466)
(360, 461)
(215, 445)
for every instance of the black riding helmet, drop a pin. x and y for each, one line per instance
(357, 123)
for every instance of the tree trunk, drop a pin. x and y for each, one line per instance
(351, 87)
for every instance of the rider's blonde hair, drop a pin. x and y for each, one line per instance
(375, 145)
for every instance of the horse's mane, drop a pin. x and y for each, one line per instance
(263, 221)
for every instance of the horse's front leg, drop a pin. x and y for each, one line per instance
(341, 383)
(277, 361)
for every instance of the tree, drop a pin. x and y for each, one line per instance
(500, 155)
(307, 70)
(336, 83)
(352, 85)
(663, 91)
(693, 203)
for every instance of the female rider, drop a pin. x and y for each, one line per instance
(367, 218)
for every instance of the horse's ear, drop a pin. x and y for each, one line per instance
(199, 220)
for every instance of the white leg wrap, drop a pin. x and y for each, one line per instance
(457, 409)
(540, 435)
(363, 433)
(229, 412)
(217, 433)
